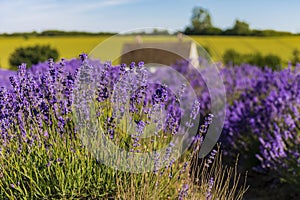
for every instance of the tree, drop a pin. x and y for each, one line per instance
(32, 55)
(213, 31)
(239, 28)
(159, 32)
(200, 22)
(201, 19)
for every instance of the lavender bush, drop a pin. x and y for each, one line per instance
(263, 121)
(262, 118)
(42, 153)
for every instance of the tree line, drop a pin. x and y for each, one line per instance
(50, 33)
(201, 24)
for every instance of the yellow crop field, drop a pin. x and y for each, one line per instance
(280, 46)
(70, 47)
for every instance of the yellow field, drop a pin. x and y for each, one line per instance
(70, 47)
(281, 46)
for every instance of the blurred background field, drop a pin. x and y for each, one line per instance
(72, 46)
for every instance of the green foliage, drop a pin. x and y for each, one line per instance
(296, 57)
(201, 25)
(32, 55)
(159, 32)
(272, 61)
(254, 59)
(239, 28)
(21, 34)
(50, 33)
(53, 167)
(268, 33)
(59, 167)
(232, 57)
(201, 19)
(213, 31)
(198, 179)
(71, 33)
(49, 164)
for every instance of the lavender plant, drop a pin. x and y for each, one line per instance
(43, 154)
(262, 122)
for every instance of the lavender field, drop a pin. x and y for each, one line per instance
(149, 100)
(42, 154)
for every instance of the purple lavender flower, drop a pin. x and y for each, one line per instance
(183, 193)
(209, 189)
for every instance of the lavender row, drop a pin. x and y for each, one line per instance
(262, 114)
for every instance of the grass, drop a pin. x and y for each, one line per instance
(70, 47)
(61, 169)
(47, 159)
(57, 166)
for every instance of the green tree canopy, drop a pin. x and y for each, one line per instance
(32, 55)
(201, 23)
(239, 28)
(201, 19)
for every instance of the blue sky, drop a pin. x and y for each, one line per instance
(123, 15)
